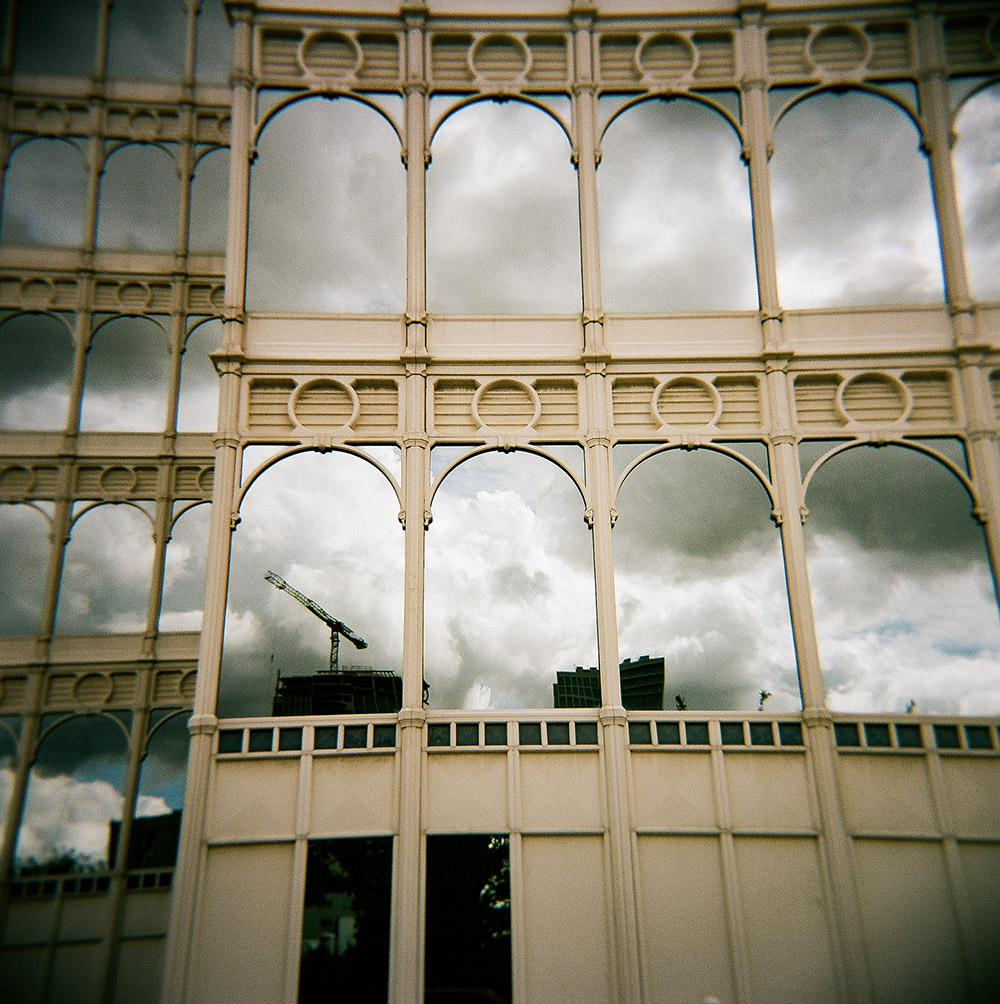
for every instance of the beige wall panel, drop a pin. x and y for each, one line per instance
(146, 913)
(909, 924)
(352, 795)
(466, 793)
(672, 790)
(239, 943)
(867, 330)
(22, 973)
(75, 974)
(697, 336)
(787, 936)
(83, 917)
(254, 799)
(768, 792)
(566, 937)
(140, 965)
(989, 325)
(973, 787)
(560, 791)
(486, 338)
(324, 337)
(981, 864)
(886, 794)
(30, 922)
(684, 936)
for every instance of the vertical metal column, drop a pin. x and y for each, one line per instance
(619, 849)
(203, 724)
(406, 961)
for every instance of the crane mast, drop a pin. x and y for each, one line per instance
(337, 628)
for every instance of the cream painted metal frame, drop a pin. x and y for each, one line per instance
(594, 834)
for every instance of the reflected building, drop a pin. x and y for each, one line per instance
(240, 239)
(642, 685)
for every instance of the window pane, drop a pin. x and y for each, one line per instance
(184, 571)
(503, 234)
(36, 367)
(210, 203)
(674, 207)
(977, 174)
(24, 559)
(345, 923)
(327, 525)
(45, 194)
(904, 600)
(700, 581)
(467, 948)
(148, 39)
(327, 212)
(140, 194)
(56, 36)
(853, 214)
(198, 405)
(510, 584)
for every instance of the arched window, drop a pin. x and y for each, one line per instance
(853, 214)
(128, 367)
(184, 573)
(24, 559)
(105, 581)
(674, 203)
(36, 368)
(140, 196)
(74, 793)
(197, 408)
(327, 525)
(503, 232)
(509, 593)
(209, 202)
(904, 600)
(699, 580)
(327, 212)
(156, 827)
(45, 194)
(977, 174)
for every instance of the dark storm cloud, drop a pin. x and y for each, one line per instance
(24, 558)
(895, 500)
(139, 199)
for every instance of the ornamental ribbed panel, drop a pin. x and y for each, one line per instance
(740, 401)
(269, 404)
(506, 404)
(686, 403)
(453, 405)
(379, 57)
(631, 399)
(548, 58)
(449, 58)
(815, 395)
(324, 404)
(617, 58)
(279, 53)
(560, 404)
(933, 397)
(786, 52)
(379, 405)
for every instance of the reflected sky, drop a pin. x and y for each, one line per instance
(509, 584)
(36, 367)
(674, 206)
(853, 214)
(904, 600)
(139, 200)
(327, 212)
(184, 570)
(24, 559)
(699, 580)
(502, 217)
(977, 175)
(327, 523)
(99, 591)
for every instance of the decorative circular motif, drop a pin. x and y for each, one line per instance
(134, 296)
(206, 479)
(873, 399)
(330, 54)
(323, 403)
(666, 57)
(37, 294)
(16, 480)
(118, 480)
(93, 688)
(52, 119)
(507, 405)
(143, 124)
(499, 57)
(687, 403)
(839, 48)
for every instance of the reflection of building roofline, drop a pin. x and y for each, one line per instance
(643, 684)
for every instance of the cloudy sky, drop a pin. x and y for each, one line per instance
(901, 588)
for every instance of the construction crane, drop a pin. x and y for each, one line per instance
(337, 628)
